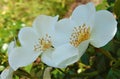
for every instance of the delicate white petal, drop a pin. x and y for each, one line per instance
(21, 57)
(65, 55)
(84, 14)
(63, 31)
(28, 37)
(47, 57)
(62, 56)
(45, 24)
(7, 74)
(104, 29)
(82, 47)
(10, 47)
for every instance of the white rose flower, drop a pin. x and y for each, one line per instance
(85, 26)
(8, 72)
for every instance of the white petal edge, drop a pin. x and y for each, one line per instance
(82, 47)
(104, 30)
(11, 47)
(28, 37)
(7, 73)
(63, 30)
(21, 56)
(44, 24)
(84, 14)
(62, 56)
(46, 57)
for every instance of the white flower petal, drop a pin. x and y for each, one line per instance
(45, 24)
(62, 56)
(65, 55)
(11, 47)
(7, 74)
(82, 47)
(63, 31)
(47, 58)
(104, 30)
(27, 37)
(21, 57)
(84, 14)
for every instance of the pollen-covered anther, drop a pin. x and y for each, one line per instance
(44, 43)
(79, 35)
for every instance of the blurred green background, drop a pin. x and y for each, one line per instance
(94, 64)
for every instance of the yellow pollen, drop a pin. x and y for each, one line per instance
(79, 35)
(44, 44)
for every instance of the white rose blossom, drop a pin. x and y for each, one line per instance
(8, 72)
(62, 43)
(40, 40)
(85, 26)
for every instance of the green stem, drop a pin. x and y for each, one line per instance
(106, 53)
(116, 41)
(61, 70)
(21, 72)
(91, 74)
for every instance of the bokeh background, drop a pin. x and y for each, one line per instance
(103, 63)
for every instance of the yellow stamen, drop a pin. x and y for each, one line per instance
(79, 35)
(43, 44)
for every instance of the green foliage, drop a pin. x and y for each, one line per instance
(117, 8)
(113, 74)
(103, 63)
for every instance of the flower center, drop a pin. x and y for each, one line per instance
(79, 35)
(44, 44)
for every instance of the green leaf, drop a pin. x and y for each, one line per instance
(117, 8)
(101, 63)
(28, 68)
(113, 74)
(102, 5)
(85, 59)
